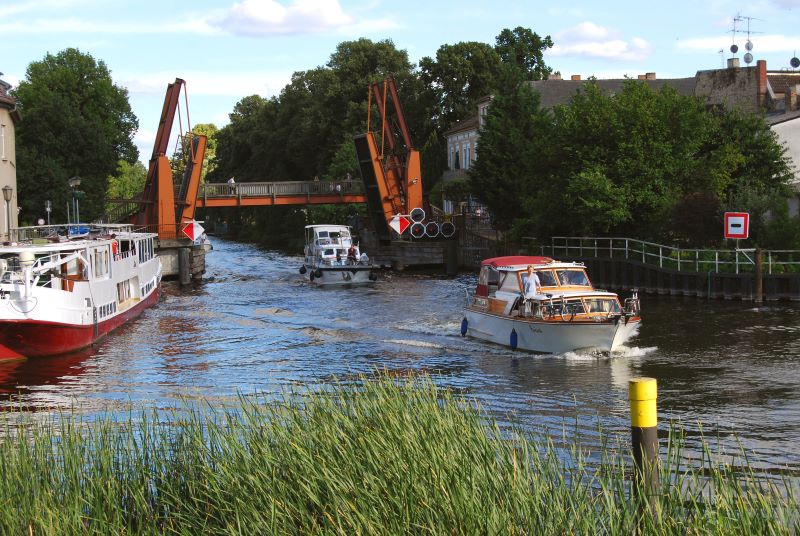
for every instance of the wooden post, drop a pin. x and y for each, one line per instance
(642, 393)
(759, 297)
(184, 265)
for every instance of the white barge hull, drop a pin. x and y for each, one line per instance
(548, 337)
(339, 275)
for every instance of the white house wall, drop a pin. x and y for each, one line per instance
(789, 135)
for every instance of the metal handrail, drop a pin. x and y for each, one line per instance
(682, 259)
(261, 189)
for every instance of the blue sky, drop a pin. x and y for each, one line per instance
(226, 50)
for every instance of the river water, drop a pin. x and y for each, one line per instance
(727, 370)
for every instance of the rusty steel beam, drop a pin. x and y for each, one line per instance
(280, 200)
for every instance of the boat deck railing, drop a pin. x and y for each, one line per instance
(65, 231)
(736, 260)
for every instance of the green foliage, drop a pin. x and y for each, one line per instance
(459, 76)
(210, 131)
(367, 456)
(76, 122)
(514, 163)
(128, 181)
(648, 164)
(522, 50)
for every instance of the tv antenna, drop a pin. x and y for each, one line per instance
(748, 57)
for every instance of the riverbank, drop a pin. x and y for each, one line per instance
(386, 455)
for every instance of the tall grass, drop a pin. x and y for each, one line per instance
(383, 456)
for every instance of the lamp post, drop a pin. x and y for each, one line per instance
(48, 207)
(7, 191)
(74, 182)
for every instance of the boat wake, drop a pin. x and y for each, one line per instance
(418, 344)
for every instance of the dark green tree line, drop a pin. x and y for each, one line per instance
(76, 122)
(641, 163)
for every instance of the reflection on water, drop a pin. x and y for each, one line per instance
(726, 368)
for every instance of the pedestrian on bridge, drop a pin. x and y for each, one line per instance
(232, 185)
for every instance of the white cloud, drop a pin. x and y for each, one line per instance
(83, 27)
(761, 43)
(269, 17)
(588, 39)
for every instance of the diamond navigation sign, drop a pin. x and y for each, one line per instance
(400, 223)
(193, 230)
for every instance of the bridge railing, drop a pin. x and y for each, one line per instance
(271, 189)
(680, 259)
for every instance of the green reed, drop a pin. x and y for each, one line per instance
(376, 456)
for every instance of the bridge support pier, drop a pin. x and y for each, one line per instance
(181, 259)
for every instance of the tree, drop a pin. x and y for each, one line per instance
(522, 50)
(76, 122)
(209, 130)
(514, 160)
(128, 181)
(459, 76)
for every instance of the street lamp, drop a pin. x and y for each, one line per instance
(7, 191)
(48, 207)
(74, 182)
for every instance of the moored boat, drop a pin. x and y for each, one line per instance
(563, 313)
(61, 292)
(333, 257)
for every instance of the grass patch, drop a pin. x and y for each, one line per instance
(379, 456)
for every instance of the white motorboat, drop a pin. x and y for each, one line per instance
(332, 257)
(60, 292)
(566, 314)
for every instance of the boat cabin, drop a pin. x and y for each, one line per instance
(564, 288)
(328, 244)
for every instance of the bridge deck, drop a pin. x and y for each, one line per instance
(214, 195)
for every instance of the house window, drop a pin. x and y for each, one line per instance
(484, 110)
(466, 156)
(456, 164)
(451, 162)
(3, 142)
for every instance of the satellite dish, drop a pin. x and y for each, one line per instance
(748, 45)
(734, 49)
(794, 62)
(748, 58)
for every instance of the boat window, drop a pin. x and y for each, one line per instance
(572, 278)
(322, 234)
(546, 278)
(510, 284)
(602, 305)
(329, 252)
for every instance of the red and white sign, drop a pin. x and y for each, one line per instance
(737, 224)
(193, 230)
(400, 223)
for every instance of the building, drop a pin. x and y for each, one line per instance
(752, 89)
(9, 118)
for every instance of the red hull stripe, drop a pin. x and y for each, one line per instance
(33, 338)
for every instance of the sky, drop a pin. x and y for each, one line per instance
(227, 50)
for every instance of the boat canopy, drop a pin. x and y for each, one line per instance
(516, 261)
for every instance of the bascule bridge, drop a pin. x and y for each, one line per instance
(391, 186)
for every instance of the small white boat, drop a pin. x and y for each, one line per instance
(332, 257)
(566, 313)
(61, 292)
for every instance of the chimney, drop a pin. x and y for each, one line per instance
(642, 77)
(575, 77)
(733, 63)
(650, 76)
(554, 76)
(761, 67)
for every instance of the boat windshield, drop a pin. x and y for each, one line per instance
(573, 277)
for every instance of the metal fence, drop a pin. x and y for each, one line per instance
(676, 258)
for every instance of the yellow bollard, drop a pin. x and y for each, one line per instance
(642, 393)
